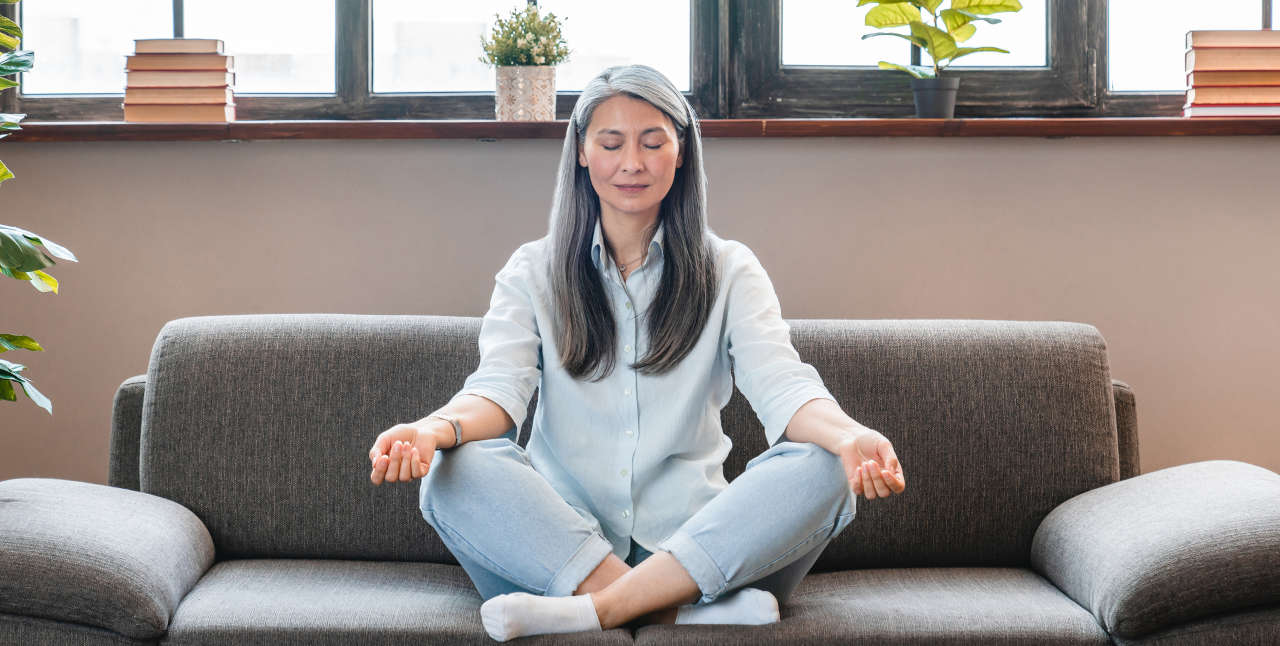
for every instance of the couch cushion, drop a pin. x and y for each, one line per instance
(261, 425)
(910, 606)
(995, 422)
(316, 601)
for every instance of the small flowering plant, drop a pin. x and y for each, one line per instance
(525, 38)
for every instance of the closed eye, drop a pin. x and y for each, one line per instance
(649, 147)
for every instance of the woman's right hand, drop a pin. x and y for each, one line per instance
(396, 454)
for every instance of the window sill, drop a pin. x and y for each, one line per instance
(493, 130)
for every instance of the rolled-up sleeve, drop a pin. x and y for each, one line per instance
(766, 367)
(510, 346)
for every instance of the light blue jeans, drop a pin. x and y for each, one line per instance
(512, 532)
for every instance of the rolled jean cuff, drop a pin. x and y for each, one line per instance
(711, 581)
(579, 566)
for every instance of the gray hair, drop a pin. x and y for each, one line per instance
(586, 332)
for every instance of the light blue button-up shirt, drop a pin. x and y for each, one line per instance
(639, 454)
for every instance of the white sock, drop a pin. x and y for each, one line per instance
(746, 606)
(508, 616)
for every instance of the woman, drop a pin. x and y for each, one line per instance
(618, 510)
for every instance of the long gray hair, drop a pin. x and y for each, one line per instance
(586, 331)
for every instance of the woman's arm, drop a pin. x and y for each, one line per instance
(480, 419)
(822, 422)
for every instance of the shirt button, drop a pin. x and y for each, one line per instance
(628, 306)
(627, 391)
(627, 348)
(623, 473)
(626, 513)
(630, 432)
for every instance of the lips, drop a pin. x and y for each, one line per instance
(631, 186)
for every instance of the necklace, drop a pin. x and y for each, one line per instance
(623, 266)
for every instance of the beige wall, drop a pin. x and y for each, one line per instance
(1167, 245)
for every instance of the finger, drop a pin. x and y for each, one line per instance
(867, 486)
(379, 470)
(418, 467)
(393, 465)
(381, 446)
(406, 462)
(877, 477)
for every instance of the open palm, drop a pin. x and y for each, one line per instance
(872, 466)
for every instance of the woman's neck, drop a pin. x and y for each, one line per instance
(628, 237)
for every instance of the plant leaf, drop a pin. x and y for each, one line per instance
(866, 2)
(5, 173)
(931, 5)
(913, 39)
(53, 247)
(965, 51)
(940, 44)
(14, 62)
(36, 396)
(10, 370)
(963, 32)
(6, 390)
(985, 7)
(44, 282)
(918, 71)
(892, 15)
(18, 342)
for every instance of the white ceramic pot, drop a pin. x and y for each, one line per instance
(526, 93)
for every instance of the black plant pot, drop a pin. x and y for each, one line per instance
(935, 97)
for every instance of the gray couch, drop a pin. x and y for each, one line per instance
(240, 509)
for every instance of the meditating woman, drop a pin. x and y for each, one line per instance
(634, 320)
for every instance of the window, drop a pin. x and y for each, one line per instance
(403, 59)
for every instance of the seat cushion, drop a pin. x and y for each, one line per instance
(911, 606)
(317, 601)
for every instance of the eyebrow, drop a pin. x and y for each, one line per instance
(617, 132)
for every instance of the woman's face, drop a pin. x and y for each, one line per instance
(630, 142)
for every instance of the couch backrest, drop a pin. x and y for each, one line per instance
(261, 424)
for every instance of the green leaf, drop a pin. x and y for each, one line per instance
(965, 51)
(55, 248)
(14, 62)
(7, 41)
(963, 32)
(18, 342)
(913, 39)
(931, 5)
(5, 173)
(6, 390)
(37, 397)
(7, 83)
(10, 370)
(985, 7)
(940, 44)
(892, 15)
(918, 71)
(866, 2)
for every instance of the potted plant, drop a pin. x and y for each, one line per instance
(19, 257)
(935, 96)
(525, 48)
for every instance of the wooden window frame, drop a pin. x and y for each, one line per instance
(735, 72)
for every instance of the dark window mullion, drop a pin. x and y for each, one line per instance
(353, 65)
(179, 23)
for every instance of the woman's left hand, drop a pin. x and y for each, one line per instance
(872, 466)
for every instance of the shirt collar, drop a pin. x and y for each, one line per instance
(597, 246)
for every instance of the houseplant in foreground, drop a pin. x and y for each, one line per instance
(525, 48)
(19, 257)
(935, 95)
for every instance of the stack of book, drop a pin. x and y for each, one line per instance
(1233, 74)
(179, 80)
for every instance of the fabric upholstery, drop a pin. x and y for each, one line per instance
(277, 602)
(97, 555)
(1167, 547)
(1258, 627)
(1126, 429)
(34, 631)
(126, 432)
(926, 606)
(230, 398)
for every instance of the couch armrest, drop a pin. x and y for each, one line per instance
(97, 555)
(1166, 547)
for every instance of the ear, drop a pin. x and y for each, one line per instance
(680, 158)
(582, 158)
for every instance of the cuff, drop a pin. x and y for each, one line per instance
(711, 581)
(583, 562)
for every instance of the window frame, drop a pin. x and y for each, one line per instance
(735, 72)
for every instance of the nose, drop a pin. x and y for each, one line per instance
(631, 161)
